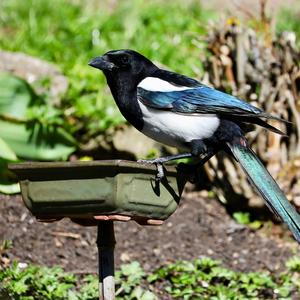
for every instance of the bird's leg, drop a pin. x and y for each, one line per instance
(203, 152)
(198, 147)
(192, 168)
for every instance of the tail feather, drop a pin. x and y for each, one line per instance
(266, 186)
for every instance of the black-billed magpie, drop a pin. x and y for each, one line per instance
(182, 112)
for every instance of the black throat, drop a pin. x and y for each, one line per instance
(124, 92)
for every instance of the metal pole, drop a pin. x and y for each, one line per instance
(106, 245)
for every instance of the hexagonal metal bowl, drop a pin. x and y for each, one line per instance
(53, 190)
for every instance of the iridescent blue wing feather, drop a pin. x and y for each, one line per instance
(202, 100)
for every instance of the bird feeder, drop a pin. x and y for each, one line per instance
(98, 193)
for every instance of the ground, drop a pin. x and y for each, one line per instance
(199, 227)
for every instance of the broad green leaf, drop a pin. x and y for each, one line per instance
(37, 143)
(6, 152)
(242, 217)
(15, 96)
(9, 188)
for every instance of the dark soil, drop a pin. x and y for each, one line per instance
(199, 227)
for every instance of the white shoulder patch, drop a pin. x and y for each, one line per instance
(155, 84)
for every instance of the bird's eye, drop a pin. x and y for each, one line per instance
(124, 59)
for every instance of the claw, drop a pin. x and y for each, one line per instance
(159, 166)
(160, 172)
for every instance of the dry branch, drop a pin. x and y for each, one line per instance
(244, 63)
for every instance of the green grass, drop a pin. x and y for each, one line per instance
(69, 33)
(200, 279)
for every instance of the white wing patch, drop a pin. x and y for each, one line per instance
(175, 129)
(155, 84)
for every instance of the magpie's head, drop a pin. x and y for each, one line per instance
(124, 65)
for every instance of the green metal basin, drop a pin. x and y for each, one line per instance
(107, 187)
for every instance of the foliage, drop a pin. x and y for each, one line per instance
(288, 20)
(293, 264)
(7, 155)
(207, 279)
(201, 279)
(244, 218)
(70, 33)
(31, 134)
(129, 278)
(34, 282)
(25, 133)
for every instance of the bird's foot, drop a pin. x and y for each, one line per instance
(161, 160)
(159, 167)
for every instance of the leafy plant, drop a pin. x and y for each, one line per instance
(29, 124)
(7, 155)
(293, 264)
(69, 33)
(200, 279)
(25, 134)
(244, 218)
(207, 279)
(34, 141)
(129, 278)
(84, 29)
(34, 282)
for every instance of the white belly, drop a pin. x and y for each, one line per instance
(176, 129)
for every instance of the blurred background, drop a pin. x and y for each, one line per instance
(53, 106)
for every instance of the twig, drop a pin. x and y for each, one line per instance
(66, 234)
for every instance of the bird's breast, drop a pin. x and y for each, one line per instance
(176, 129)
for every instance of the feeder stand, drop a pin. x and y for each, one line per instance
(106, 245)
(98, 193)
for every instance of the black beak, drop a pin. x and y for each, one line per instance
(102, 63)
